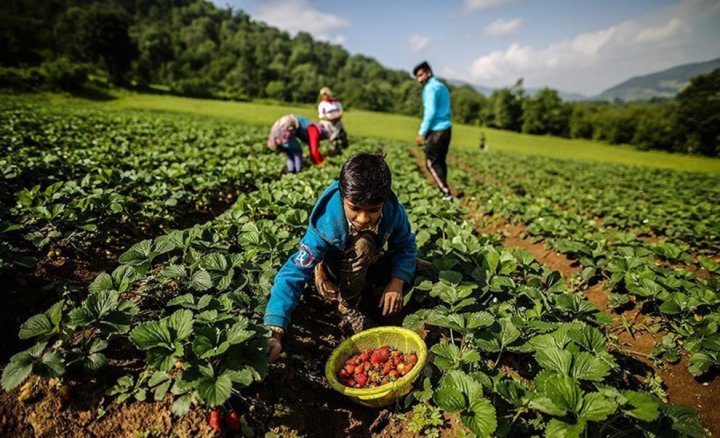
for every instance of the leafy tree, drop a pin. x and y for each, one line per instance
(545, 113)
(699, 114)
(506, 109)
(101, 34)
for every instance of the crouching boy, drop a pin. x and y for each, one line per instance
(343, 251)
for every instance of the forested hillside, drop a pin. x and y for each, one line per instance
(663, 84)
(193, 48)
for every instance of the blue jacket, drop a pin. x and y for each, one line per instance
(328, 229)
(436, 107)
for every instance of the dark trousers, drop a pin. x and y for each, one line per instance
(437, 144)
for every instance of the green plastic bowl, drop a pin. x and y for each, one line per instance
(403, 339)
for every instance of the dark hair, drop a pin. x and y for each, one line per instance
(365, 180)
(422, 66)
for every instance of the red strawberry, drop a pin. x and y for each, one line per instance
(350, 368)
(365, 355)
(232, 421)
(406, 369)
(411, 359)
(342, 374)
(387, 368)
(215, 419)
(361, 379)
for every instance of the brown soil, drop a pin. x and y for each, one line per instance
(681, 386)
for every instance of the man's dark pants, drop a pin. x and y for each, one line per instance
(437, 144)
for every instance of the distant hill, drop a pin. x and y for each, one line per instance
(666, 83)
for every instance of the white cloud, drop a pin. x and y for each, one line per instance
(660, 33)
(417, 42)
(299, 15)
(501, 27)
(592, 61)
(481, 5)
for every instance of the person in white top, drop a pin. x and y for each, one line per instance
(330, 112)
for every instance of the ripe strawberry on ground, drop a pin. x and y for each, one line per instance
(215, 419)
(232, 420)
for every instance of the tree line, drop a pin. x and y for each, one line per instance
(196, 49)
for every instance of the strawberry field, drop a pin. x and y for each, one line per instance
(138, 251)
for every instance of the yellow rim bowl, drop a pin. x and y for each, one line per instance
(403, 339)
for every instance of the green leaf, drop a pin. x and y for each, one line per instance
(102, 282)
(450, 399)
(478, 319)
(700, 362)
(209, 342)
(447, 356)
(15, 373)
(173, 271)
(94, 362)
(181, 405)
(685, 420)
(640, 405)
(588, 367)
(157, 378)
(43, 326)
(181, 322)
(589, 338)
(187, 300)
(597, 407)
(451, 277)
(214, 262)
(560, 429)
(243, 377)
(214, 391)
(152, 334)
(555, 359)
(161, 390)
(564, 392)
(463, 382)
(201, 280)
(480, 418)
(545, 405)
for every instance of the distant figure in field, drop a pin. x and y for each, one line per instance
(284, 134)
(435, 128)
(483, 145)
(330, 112)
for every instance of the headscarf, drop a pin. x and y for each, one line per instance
(282, 131)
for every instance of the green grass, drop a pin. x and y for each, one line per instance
(404, 128)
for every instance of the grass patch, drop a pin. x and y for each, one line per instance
(404, 128)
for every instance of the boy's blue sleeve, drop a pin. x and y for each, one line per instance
(428, 108)
(292, 278)
(403, 247)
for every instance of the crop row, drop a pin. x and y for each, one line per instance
(191, 302)
(638, 273)
(75, 178)
(677, 207)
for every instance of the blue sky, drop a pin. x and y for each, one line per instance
(575, 46)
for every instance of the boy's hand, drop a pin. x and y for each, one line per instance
(391, 302)
(275, 345)
(420, 140)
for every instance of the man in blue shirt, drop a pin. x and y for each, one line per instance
(435, 129)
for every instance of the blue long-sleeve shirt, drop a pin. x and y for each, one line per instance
(328, 229)
(436, 107)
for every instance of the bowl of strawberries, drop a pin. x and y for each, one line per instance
(377, 366)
